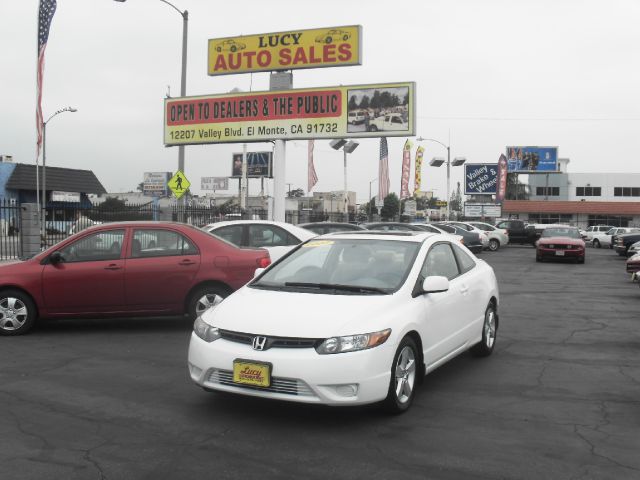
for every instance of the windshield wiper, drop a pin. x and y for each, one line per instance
(335, 286)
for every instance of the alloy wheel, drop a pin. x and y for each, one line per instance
(207, 301)
(405, 372)
(490, 328)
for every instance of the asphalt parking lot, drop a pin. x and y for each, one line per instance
(559, 399)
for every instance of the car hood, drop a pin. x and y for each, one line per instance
(634, 259)
(9, 265)
(564, 240)
(306, 315)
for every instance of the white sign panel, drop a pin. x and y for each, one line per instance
(155, 183)
(479, 210)
(214, 183)
(71, 197)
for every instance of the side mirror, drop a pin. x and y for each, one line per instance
(435, 284)
(55, 258)
(258, 272)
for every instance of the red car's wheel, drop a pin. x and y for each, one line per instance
(17, 312)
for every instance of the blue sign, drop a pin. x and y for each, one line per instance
(259, 164)
(480, 178)
(532, 159)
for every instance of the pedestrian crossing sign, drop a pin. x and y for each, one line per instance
(179, 184)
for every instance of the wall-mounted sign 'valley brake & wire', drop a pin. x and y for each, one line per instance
(379, 110)
(320, 47)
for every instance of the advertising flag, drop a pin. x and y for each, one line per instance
(418, 173)
(406, 170)
(312, 177)
(383, 170)
(501, 189)
(45, 15)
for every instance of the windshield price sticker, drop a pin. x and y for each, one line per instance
(318, 243)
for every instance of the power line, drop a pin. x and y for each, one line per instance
(539, 119)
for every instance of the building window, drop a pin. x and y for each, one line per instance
(550, 218)
(613, 220)
(548, 191)
(588, 191)
(626, 192)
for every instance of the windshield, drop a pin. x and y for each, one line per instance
(562, 232)
(343, 266)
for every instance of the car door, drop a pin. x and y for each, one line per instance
(442, 320)
(474, 292)
(161, 267)
(277, 241)
(231, 233)
(90, 279)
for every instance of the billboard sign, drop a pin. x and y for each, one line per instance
(155, 184)
(214, 183)
(380, 110)
(532, 159)
(259, 164)
(479, 210)
(71, 197)
(480, 178)
(319, 47)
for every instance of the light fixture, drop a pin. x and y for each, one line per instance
(338, 143)
(458, 161)
(351, 146)
(436, 161)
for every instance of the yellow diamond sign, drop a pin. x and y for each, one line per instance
(179, 184)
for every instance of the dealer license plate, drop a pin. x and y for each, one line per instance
(560, 253)
(252, 373)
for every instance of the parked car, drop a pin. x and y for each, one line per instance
(633, 266)
(392, 226)
(560, 243)
(356, 117)
(320, 228)
(605, 239)
(519, 232)
(229, 46)
(497, 236)
(367, 314)
(471, 240)
(594, 229)
(484, 236)
(624, 242)
(105, 271)
(333, 35)
(634, 249)
(278, 238)
(389, 122)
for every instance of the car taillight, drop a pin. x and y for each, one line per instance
(263, 262)
(506, 231)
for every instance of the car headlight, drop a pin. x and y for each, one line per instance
(205, 331)
(353, 343)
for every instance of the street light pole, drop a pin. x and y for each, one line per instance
(370, 197)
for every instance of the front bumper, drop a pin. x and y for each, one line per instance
(559, 253)
(620, 249)
(633, 267)
(298, 374)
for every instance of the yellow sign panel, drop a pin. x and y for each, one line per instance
(179, 184)
(320, 47)
(379, 110)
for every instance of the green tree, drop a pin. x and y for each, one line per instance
(295, 193)
(364, 103)
(455, 203)
(391, 205)
(353, 104)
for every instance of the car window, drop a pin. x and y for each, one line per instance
(230, 233)
(159, 242)
(104, 245)
(503, 225)
(427, 228)
(465, 262)
(447, 228)
(396, 120)
(441, 262)
(270, 236)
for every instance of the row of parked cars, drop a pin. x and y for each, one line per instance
(343, 319)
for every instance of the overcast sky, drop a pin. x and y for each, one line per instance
(489, 73)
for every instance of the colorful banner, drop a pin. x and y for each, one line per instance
(501, 190)
(320, 47)
(532, 159)
(312, 176)
(418, 173)
(480, 178)
(379, 110)
(406, 169)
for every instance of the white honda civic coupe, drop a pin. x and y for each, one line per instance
(347, 319)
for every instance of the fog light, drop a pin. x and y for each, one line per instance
(195, 371)
(349, 390)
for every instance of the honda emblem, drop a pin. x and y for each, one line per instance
(259, 343)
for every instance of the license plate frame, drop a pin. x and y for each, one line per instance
(559, 253)
(252, 373)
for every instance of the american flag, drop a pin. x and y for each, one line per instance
(383, 170)
(312, 178)
(45, 14)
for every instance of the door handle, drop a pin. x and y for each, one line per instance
(113, 266)
(185, 263)
(464, 289)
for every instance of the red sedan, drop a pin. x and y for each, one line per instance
(125, 269)
(633, 266)
(560, 243)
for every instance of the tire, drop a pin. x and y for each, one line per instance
(233, 48)
(373, 128)
(489, 333)
(403, 381)
(218, 49)
(345, 37)
(203, 298)
(17, 313)
(581, 260)
(596, 243)
(328, 40)
(538, 258)
(494, 245)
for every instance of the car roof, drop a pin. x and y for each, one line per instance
(408, 236)
(287, 226)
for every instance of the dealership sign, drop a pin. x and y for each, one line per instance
(214, 183)
(479, 210)
(259, 164)
(320, 47)
(532, 159)
(379, 110)
(480, 178)
(155, 183)
(70, 197)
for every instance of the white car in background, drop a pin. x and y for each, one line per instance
(278, 238)
(484, 235)
(498, 237)
(595, 229)
(603, 239)
(347, 319)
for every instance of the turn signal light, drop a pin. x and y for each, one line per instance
(263, 262)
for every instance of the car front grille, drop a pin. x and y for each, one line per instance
(287, 386)
(562, 247)
(271, 342)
